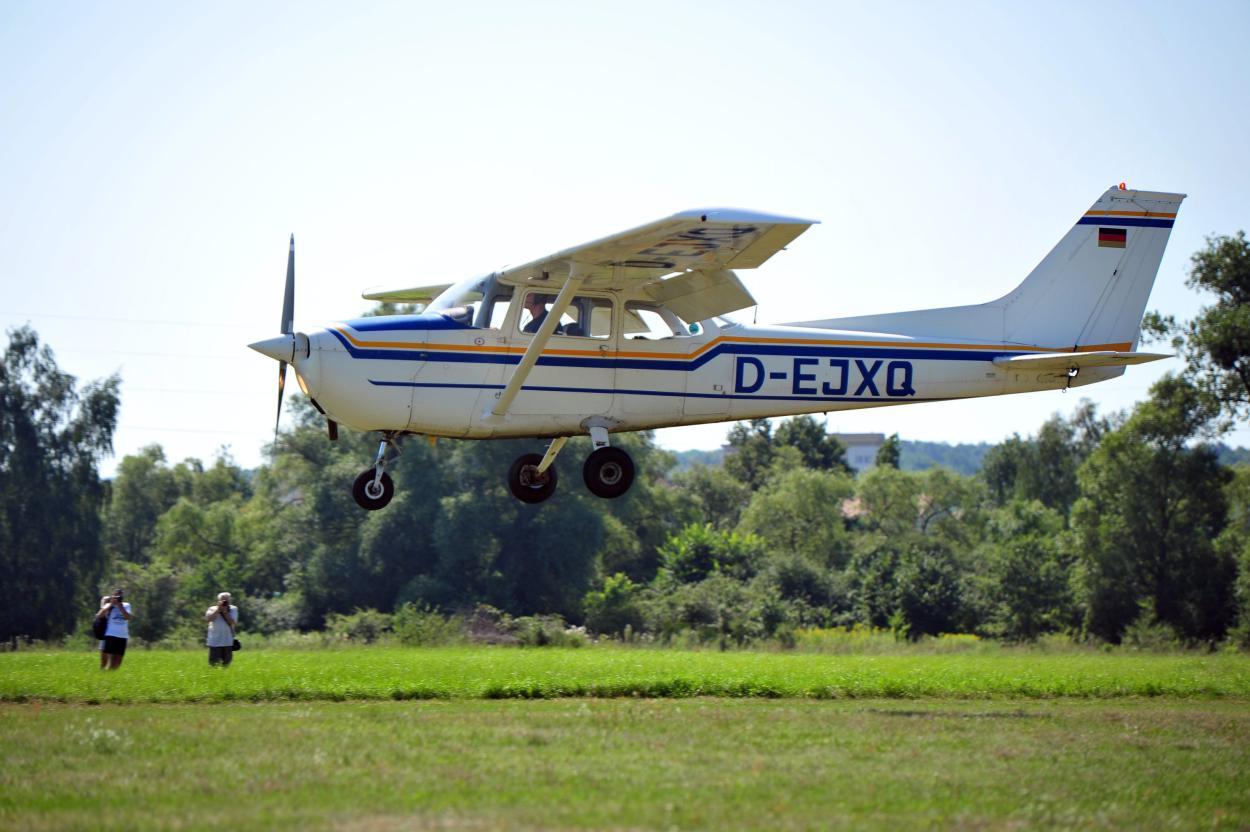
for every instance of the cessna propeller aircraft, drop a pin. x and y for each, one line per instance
(626, 333)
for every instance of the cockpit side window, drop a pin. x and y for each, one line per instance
(494, 307)
(585, 317)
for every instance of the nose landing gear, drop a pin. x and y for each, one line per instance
(374, 488)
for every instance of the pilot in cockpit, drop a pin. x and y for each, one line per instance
(536, 305)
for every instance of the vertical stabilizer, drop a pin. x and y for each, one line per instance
(1091, 290)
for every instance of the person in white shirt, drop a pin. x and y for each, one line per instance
(118, 612)
(222, 619)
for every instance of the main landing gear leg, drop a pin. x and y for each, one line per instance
(374, 488)
(532, 478)
(608, 472)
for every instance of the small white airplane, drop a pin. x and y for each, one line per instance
(625, 333)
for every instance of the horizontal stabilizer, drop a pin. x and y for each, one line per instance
(1075, 360)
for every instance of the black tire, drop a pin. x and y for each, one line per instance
(526, 484)
(362, 488)
(608, 472)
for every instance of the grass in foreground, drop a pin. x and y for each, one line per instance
(494, 673)
(696, 763)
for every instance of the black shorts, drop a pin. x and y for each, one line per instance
(114, 646)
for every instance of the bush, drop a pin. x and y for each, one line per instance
(423, 626)
(547, 631)
(1148, 633)
(273, 615)
(718, 610)
(698, 551)
(614, 608)
(362, 626)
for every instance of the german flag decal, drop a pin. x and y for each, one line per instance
(1112, 237)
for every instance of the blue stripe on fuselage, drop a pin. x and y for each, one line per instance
(432, 353)
(627, 392)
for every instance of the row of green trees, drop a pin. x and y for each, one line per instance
(1097, 524)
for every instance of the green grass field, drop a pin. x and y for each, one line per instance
(315, 740)
(494, 673)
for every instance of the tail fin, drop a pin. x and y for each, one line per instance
(1089, 292)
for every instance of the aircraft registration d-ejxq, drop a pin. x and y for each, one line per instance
(625, 333)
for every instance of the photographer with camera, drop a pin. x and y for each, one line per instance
(222, 618)
(118, 613)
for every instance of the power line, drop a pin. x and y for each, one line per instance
(190, 430)
(140, 321)
(160, 354)
(128, 389)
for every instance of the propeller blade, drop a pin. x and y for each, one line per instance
(288, 297)
(281, 388)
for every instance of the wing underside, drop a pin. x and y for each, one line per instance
(684, 261)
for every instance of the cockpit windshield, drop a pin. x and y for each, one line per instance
(478, 302)
(466, 293)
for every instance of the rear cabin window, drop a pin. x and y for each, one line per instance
(651, 322)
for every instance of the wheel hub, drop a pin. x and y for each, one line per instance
(611, 473)
(530, 477)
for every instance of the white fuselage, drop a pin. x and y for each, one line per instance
(426, 374)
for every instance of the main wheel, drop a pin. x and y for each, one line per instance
(526, 484)
(373, 496)
(608, 472)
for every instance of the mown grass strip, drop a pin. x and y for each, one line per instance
(748, 763)
(509, 673)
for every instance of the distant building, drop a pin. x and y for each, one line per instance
(861, 448)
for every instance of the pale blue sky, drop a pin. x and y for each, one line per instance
(154, 157)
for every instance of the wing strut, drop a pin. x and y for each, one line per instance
(577, 274)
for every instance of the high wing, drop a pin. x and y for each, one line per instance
(703, 238)
(684, 261)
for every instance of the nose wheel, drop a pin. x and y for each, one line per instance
(373, 489)
(372, 492)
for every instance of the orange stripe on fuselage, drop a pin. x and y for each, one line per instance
(804, 342)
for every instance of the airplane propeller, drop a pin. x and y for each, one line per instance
(287, 327)
(282, 348)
